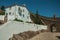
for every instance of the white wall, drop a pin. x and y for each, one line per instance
(15, 9)
(14, 27)
(1, 17)
(12, 10)
(25, 13)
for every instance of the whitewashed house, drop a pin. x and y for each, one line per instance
(19, 12)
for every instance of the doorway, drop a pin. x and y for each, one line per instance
(53, 28)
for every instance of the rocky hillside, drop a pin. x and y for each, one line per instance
(36, 18)
(36, 35)
(24, 35)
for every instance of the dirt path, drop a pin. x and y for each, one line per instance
(46, 36)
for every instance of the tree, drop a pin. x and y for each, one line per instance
(3, 8)
(38, 20)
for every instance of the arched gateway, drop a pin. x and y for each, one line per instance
(53, 28)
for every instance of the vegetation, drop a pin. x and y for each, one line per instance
(36, 18)
(28, 22)
(3, 13)
(3, 8)
(18, 20)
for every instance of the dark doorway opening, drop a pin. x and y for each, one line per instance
(53, 28)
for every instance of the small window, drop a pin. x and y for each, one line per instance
(19, 10)
(23, 15)
(10, 13)
(20, 14)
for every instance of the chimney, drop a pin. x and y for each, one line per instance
(24, 5)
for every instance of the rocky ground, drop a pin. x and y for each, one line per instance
(24, 35)
(36, 35)
(47, 36)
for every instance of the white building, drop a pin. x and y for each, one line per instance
(19, 12)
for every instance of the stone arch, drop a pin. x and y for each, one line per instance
(53, 28)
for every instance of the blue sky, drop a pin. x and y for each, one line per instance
(45, 7)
